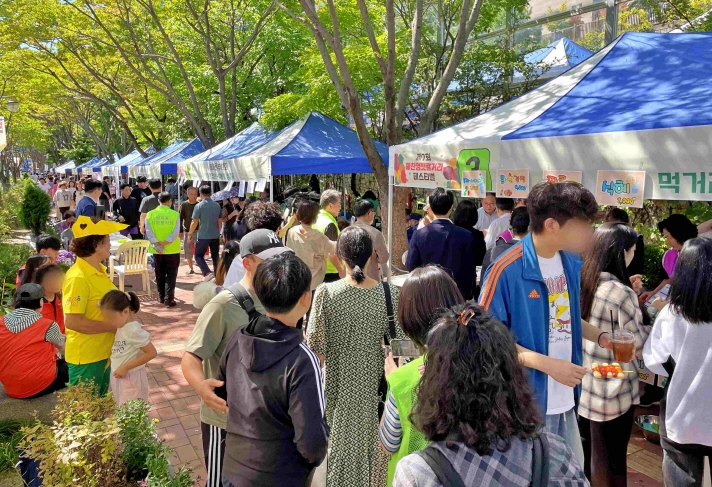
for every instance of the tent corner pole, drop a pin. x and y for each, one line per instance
(390, 228)
(271, 189)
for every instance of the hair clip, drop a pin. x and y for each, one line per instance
(465, 316)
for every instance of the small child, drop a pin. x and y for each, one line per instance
(132, 348)
(68, 220)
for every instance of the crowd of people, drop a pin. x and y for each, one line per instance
(297, 353)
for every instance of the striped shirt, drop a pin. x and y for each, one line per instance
(22, 318)
(391, 431)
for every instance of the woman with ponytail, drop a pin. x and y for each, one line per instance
(477, 409)
(348, 321)
(132, 348)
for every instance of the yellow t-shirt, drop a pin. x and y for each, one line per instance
(83, 287)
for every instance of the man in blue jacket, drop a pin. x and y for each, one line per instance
(445, 244)
(534, 289)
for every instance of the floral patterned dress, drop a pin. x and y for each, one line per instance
(347, 325)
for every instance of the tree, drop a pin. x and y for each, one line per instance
(336, 29)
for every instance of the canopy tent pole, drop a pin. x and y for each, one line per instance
(390, 227)
(271, 189)
(343, 195)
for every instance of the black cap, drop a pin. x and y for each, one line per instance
(30, 292)
(262, 243)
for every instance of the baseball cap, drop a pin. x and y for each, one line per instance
(262, 243)
(30, 292)
(414, 216)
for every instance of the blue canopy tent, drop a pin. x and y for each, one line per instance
(140, 167)
(643, 104)
(121, 166)
(84, 167)
(315, 144)
(169, 164)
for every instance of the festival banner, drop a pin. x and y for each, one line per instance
(620, 188)
(554, 176)
(426, 170)
(513, 183)
(3, 136)
(474, 184)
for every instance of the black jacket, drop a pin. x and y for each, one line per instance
(276, 428)
(128, 208)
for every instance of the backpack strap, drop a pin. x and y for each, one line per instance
(441, 467)
(244, 299)
(391, 315)
(540, 462)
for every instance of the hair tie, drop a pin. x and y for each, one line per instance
(465, 316)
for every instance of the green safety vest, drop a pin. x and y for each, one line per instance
(403, 384)
(323, 221)
(163, 221)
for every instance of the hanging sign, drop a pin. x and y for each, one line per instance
(474, 184)
(554, 176)
(241, 192)
(250, 187)
(260, 186)
(3, 135)
(513, 183)
(620, 188)
(427, 170)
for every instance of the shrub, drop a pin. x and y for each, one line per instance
(10, 436)
(11, 199)
(12, 257)
(90, 444)
(35, 209)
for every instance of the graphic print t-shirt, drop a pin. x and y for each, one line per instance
(560, 398)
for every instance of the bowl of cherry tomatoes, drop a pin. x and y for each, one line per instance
(607, 371)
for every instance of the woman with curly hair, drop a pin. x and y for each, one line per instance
(476, 407)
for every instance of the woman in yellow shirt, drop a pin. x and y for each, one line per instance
(89, 335)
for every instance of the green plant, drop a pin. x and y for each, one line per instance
(35, 209)
(7, 292)
(138, 437)
(11, 199)
(12, 257)
(10, 437)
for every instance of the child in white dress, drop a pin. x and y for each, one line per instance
(132, 348)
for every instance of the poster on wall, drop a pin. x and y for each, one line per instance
(620, 188)
(426, 170)
(474, 184)
(554, 176)
(513, 183)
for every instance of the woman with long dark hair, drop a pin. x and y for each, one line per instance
(477, 408)
(607, 406)
(466, 217)
(230, 251)
(348, 321)
(33, 263)
(427, 292)
(679, 348)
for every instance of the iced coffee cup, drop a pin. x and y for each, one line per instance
(623, 346)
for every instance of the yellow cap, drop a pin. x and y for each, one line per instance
(85, 226)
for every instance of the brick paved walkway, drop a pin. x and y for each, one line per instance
(177, 407)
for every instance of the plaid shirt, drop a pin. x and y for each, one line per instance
(603, 400)
(510, 468)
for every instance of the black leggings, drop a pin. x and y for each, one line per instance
(605, 446)
(60, 380)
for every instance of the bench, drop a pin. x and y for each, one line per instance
(23, 409)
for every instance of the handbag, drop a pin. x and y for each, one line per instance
(387, 337)
(448, 476)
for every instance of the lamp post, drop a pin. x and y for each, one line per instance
(13, 106)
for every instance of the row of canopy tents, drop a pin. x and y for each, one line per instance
(158, 163)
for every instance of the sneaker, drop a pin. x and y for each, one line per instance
(161, 299)
(209, 277)
(171, 303)
(190, 272)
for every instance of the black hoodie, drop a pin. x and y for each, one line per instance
(276, 428)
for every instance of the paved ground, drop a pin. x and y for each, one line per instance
(177, 407)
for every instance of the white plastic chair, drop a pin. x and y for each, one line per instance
(135, 254)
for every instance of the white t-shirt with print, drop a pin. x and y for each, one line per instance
(560, 398)
(127, 343)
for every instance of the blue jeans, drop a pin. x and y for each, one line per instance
(566, 426)
(200, 247)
